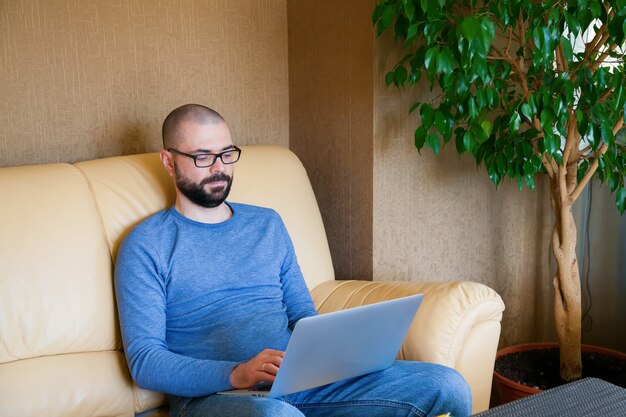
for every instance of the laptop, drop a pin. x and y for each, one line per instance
(335, 346)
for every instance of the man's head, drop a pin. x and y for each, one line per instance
(192, 130)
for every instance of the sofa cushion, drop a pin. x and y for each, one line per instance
(73, 385)
(130, 188)
(56, 293)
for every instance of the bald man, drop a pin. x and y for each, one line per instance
(209, 292)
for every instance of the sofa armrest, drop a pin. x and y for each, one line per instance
(457, 325)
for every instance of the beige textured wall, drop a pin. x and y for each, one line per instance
(439, 218)
(82, 79)
(331, 117)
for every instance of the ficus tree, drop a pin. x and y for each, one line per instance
(528, 88)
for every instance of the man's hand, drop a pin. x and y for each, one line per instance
(263, 367)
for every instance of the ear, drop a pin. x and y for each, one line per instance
(167, 161)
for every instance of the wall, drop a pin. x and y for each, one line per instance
(440, 218)
(331, 112)
(82, 79)
(602, 260)
(425, 217)
(87, 79)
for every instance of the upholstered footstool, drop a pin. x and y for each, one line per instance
(587, 397)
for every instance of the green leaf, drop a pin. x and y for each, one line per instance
(530, 181)
(620, 200)
(595, 8)
(414, 106)
(547, 117)
(459, 141)
(501, 164)
(401, 75)
(618, 88)
(431, 56)
(468, 141)
(528, 168)
(495, 177)
(567, 49)
(607, 133)
(443, 123)
(527, 150)
(509, 151)
(409, 11)
(387, 16)
(428, 114)
(470, 27)
(569, 91)
(432, 141)
(411, 32)
(550, 143)
(486, 33)
(583, 122)
(390, 78)
(514, 122)
(378, 11)
(420, 138)
(473, 111)
(445, 61)
(527, 112)
(572, 23)
(486, 125)
(614, 181)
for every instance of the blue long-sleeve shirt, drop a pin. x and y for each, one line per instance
(196, 299)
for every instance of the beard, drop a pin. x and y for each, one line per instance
(196, 192)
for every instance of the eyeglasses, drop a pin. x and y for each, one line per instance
(205, 160)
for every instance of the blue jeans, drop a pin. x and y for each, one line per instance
(405, 389)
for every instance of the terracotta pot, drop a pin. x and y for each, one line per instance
(508, 390)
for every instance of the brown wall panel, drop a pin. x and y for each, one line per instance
(330, 99)
(82, 79)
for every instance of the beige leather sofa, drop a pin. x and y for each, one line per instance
(60, 348)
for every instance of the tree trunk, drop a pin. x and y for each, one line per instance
(567, 298)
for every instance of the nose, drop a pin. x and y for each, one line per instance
(218, 166)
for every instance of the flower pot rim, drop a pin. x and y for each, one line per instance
(524, 347)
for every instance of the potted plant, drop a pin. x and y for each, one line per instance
(527, 88)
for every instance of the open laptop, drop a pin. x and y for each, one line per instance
(332, 347)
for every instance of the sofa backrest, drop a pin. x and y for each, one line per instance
(60, 347)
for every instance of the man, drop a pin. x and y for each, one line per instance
(208, 293)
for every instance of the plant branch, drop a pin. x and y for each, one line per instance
(583, 152)
(522, 28)
(561, 62)
(572, 138)
(508, 44)
(602, 57)
(605, 95)
(595, 41)
(549, 164)
(497, 58)
(594, 165)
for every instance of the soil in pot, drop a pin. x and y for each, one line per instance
(540, 368)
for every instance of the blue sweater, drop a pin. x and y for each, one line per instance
(196, 299)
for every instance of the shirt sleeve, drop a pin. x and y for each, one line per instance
(141, 293)
(296, 295)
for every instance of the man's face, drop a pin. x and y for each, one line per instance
(205, 187)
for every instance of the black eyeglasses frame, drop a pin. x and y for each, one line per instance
(195, 157)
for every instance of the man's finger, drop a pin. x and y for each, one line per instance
(274, 352)
(270, 368)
